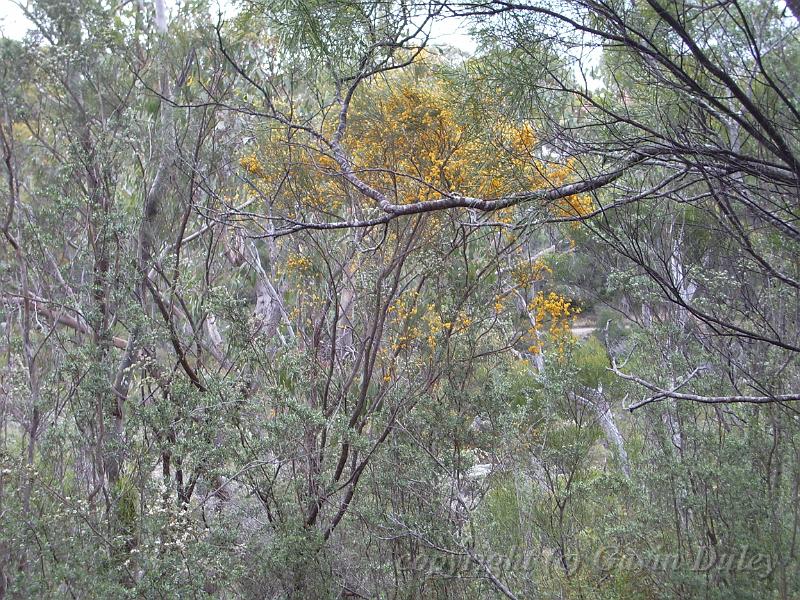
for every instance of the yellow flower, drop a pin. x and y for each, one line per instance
(252, 165)
(298, 263)
(559, 312)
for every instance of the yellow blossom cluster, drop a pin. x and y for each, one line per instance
(323, 195)
(315, 185)
(429, 326)
(414, 147)
(523, 138)
(555, 310)
(404, 307)
(525, 273)
(463, 321)
(400, 312)
(402, 341)
(505, 215)
(407, 138)
(265, 168)
(252, 165)
(327, 162)
(499, 302)
(435, 325)
(298, 263)
(574, 206)
(410, 143)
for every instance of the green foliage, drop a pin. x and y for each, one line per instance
(227, 370)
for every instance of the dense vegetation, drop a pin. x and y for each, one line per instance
(297, 303)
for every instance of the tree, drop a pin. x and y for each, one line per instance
(709, 125)
(302, 305)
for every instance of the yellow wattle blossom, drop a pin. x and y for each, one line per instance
(462, 321)
(252, 165)
(525, 273)
(414, 140)
(559, 313)
(404, 307)
(523, 138)
(414, 147)
(499, 304)
(574, 206)
(404, 341)
(327, 162)
(298, 263)
(401, 313)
